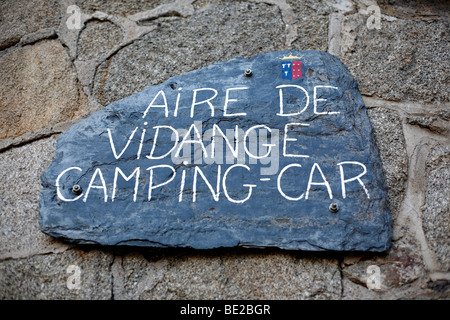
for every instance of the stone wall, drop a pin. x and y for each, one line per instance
(53, 76)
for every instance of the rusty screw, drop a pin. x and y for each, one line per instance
(76, 189)
(248, 72)
(333, 208)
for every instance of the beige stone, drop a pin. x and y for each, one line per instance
(401, 274)
(39, 89)
(436, 209)
(71, 275)
(20, 186)
(19, 17)
(240, 274)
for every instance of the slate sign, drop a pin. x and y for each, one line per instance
(274, 151)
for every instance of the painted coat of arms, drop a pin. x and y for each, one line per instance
(291, 67)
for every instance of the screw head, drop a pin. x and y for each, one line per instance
(76, 189)
(333, 208)
(248, 72)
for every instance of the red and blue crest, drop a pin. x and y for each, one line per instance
(291, 70)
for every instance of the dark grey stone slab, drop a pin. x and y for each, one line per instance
(303, 145)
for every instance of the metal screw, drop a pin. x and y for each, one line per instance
(248, 72)
(333, 208)
(76, 189)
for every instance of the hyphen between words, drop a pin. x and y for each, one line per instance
(236, 145)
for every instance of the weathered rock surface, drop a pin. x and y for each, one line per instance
(232, 276)
(119, 7)
(39, 89)
(416, 72)
(21, 17)
(405, 61)
(20, 176)
(71, 275)
(436, 213)
(166, 51)
(98, 38)
(390, 141)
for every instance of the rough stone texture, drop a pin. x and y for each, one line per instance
(434, 122)
(402, 61)
(311, 19)
(39, 89)
(97, 39)
(20, 176)
(387, 126)
(419, 8)
(167, 52)
(390, 58)
(118, 7)
(402, 274)
(279, 276)
(18, 18)
(45, 277)
(436, 212)
(235, 275)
